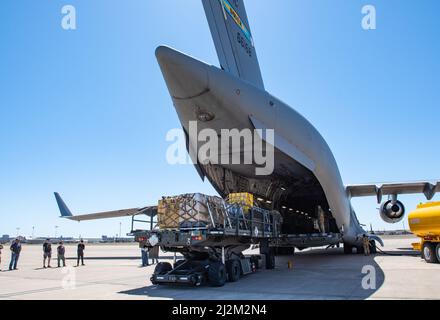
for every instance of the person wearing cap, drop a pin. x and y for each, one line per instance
(61, 250)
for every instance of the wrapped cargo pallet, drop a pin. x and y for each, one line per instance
(191, 211)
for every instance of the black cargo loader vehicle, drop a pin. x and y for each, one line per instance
(213, 252)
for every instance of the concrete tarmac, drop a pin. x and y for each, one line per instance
(112, 272)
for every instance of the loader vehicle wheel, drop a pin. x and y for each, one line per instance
(163, 268)
(193, 280)
(179, 263)
(217, 274)
(233, 269)
(429, 253)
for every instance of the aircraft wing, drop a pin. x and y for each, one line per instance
(67, 214)
(429, 189)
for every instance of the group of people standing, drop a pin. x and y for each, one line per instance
(61, 251)
(15, 248)
(148, 252)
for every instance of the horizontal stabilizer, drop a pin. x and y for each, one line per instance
(65, 212)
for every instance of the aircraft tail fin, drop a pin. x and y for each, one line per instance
(64, 210)
(233, 39)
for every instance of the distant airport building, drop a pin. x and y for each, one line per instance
(106, 239)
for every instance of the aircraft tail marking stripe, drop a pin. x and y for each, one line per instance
(235, 16)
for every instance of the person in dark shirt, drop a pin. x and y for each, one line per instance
(47, 253)
(81, 248)
(61, 250)
(15, 254)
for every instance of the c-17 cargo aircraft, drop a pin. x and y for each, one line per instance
(306, 177)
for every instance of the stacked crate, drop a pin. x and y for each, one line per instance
(190, 211)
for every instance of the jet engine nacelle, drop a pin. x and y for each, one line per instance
(392, 211)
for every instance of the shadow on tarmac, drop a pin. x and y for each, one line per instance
(117, 258)
(316, 274)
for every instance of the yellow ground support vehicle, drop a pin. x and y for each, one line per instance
(425, 224)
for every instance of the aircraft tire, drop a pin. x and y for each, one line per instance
(373, 247)
(348, 249)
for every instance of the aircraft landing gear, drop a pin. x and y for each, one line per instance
(348, 249)
(360, 250)
(373, 247)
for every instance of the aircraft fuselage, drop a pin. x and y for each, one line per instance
(305, 173)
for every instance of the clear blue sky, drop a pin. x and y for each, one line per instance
(86, 112)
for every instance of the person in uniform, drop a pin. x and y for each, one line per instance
(366, 244)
